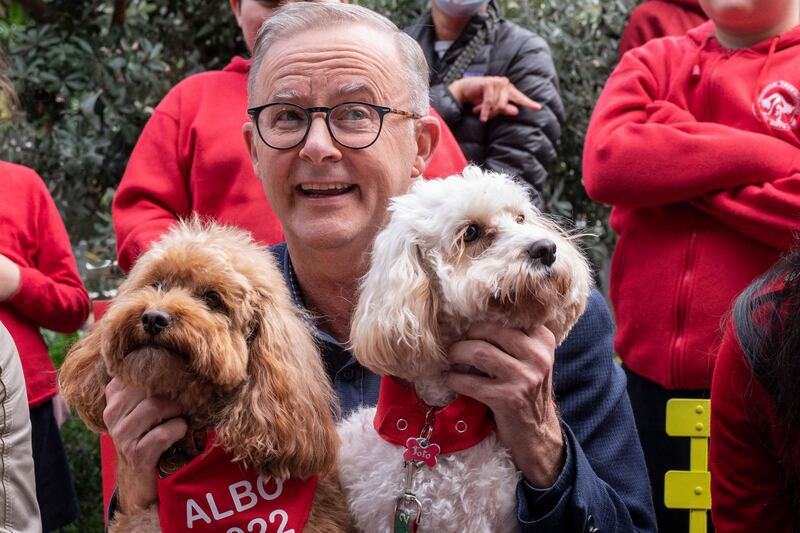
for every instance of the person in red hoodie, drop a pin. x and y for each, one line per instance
(191, 157)
(755, 408)
(696, 145)
(39, 288)
(660, 18)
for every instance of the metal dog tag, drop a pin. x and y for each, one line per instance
(170, 462)
(407, 512)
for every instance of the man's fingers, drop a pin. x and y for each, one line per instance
(148, 414)
(518, 97)
(484, 389)
(488, 102)
(150, 447)
(121, 399)
(484, 357)
(502, 98)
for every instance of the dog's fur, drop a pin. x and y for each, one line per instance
(424, 289)
(244, 363)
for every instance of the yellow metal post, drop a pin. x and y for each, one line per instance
(690, 489)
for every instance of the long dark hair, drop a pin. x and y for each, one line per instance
(767, 318)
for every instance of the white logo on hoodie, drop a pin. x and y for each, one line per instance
(779, 105)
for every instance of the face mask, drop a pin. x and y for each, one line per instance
(460, 8)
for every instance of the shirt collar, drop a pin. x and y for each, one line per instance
(297, 298)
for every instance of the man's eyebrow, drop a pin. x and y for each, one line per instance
(285, 95)
(349, 89)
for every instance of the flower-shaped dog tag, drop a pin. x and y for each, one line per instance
(421, 451)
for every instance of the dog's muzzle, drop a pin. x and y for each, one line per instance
(543, 250)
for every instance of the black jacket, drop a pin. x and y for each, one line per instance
(524, 145)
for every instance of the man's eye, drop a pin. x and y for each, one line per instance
(353, 113)
(287, 116)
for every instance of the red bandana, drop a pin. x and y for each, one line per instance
(213, 494)
(400, 416)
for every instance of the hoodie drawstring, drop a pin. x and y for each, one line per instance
(696, 61)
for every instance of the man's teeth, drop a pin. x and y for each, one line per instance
(324, 186)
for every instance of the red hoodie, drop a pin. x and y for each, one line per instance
(191, 157)
(660, 18)
(697, 149)
(51, 293)
(748, 479)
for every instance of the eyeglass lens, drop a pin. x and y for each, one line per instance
(352, 124)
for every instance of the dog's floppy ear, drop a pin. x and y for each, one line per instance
(394, 324)
(281, 420)
(83, 378)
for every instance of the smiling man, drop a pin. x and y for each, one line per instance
(338, 105)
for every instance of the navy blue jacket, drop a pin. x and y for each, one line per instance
(603, 486)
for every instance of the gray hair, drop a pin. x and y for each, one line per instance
(294, 18)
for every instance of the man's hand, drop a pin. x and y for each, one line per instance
(9, 278)
(518, 388)
(491, 96)
(142, 428)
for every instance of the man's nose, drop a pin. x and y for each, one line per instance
(319, 145)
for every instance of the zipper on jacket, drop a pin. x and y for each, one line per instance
(677, 346)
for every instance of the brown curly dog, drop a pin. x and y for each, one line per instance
(205, 320)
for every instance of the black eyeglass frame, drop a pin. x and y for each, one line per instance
(382, 111)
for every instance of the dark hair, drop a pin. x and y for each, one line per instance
(767, 319)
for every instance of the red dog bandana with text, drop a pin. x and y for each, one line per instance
(212, 494)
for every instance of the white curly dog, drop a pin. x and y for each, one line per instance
(455, 251)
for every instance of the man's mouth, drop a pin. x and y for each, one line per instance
(316, 190)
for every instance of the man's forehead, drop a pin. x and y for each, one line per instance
(346, 60)
(349, 40)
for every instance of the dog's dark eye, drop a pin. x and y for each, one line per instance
(472, 232)
(520, 219)
(212, 299)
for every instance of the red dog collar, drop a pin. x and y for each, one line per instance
(461, 424)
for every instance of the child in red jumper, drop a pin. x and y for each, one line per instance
(191, 156)
(755, 408)
(39, 287)
(695, 141)
(660, 18)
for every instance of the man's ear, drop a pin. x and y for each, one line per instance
(428, 131)
(236, 7)
(249, 134)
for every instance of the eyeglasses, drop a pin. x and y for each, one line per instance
(354, 125)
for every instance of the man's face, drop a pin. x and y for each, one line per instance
(752, 17)
(326, 195)
(251, 14)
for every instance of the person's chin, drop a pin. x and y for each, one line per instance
(328, 233)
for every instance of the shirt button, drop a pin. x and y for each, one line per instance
(348, 374)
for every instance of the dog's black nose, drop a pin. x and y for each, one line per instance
(544, 250)
(155, 321)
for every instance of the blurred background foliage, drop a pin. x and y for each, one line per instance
(89, 73)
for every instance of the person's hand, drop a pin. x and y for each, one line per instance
(491, 96)
(518, 388)
(142, 428)
(9, 278)
(61, 410)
